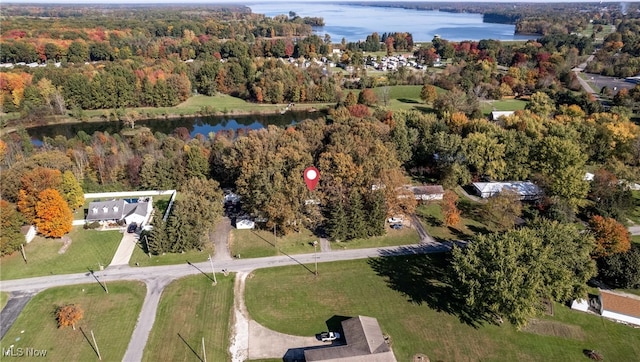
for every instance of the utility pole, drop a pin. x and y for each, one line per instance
(315, 254)
(213, 272)
(24, 255)
(96, 344)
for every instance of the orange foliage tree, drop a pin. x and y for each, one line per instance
(611, 236)
(450, 209)
(33, 182)
(53, 215)
(69, 315)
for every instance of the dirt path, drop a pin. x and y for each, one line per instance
(240, 334)
(220, 237)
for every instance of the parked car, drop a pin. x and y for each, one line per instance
(396, 226)
(329, 336)
(132, 228)
(395, 220)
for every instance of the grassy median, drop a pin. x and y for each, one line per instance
(192, 309)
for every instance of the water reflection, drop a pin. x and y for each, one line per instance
(195, 125)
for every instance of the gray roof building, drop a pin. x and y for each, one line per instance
(364, 343)
(118, 210)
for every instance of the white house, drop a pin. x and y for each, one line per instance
(620, 306)
(122, 211)
(426, 192)
(526, 189)
(617, 306)
(29, 232)
(495, 115)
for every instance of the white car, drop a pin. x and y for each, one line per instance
(395, 220)
(329, 336)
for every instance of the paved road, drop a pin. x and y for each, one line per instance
(12, 310)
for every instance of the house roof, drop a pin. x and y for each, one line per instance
(621, 303)
(365, 342)
(114, 210)
(426, 189)
(523, 188)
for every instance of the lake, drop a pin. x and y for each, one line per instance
(195, 125)
(355, 22)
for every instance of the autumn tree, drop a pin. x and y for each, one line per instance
(367, 97)
(450, 209)
(428, 93)
(611, 236)
(72, 190)
(69, 315)
(53, 215)
(33, 182)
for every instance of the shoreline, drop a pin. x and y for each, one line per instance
(68, 120)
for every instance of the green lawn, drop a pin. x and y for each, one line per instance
(190, 309)
(195, 256)
(88, 250)
(471, 212)
(502, 105)
(635, 238)
(4, 298)
(635, 213)
(260, 243)
(414, 304)
(112, 318)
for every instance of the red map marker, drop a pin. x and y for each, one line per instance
(311, 177)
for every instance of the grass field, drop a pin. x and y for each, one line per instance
(190, 309)
(433, 221)
(195, 256)
(502, 105)
(415, 305)
(261, 243)
(635, 239)
(111, 317)
(88, 250)
(4, 298)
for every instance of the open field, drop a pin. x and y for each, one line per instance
(261, 243)
(140, 257)
(192, 309)
(88, 250)
(111, 317)
(412, 298)
(489, 106)
(635, 239)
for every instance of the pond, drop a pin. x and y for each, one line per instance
(195, 125)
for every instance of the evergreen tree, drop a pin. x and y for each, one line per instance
(358, 224)
(338, 225)
(375, 220)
